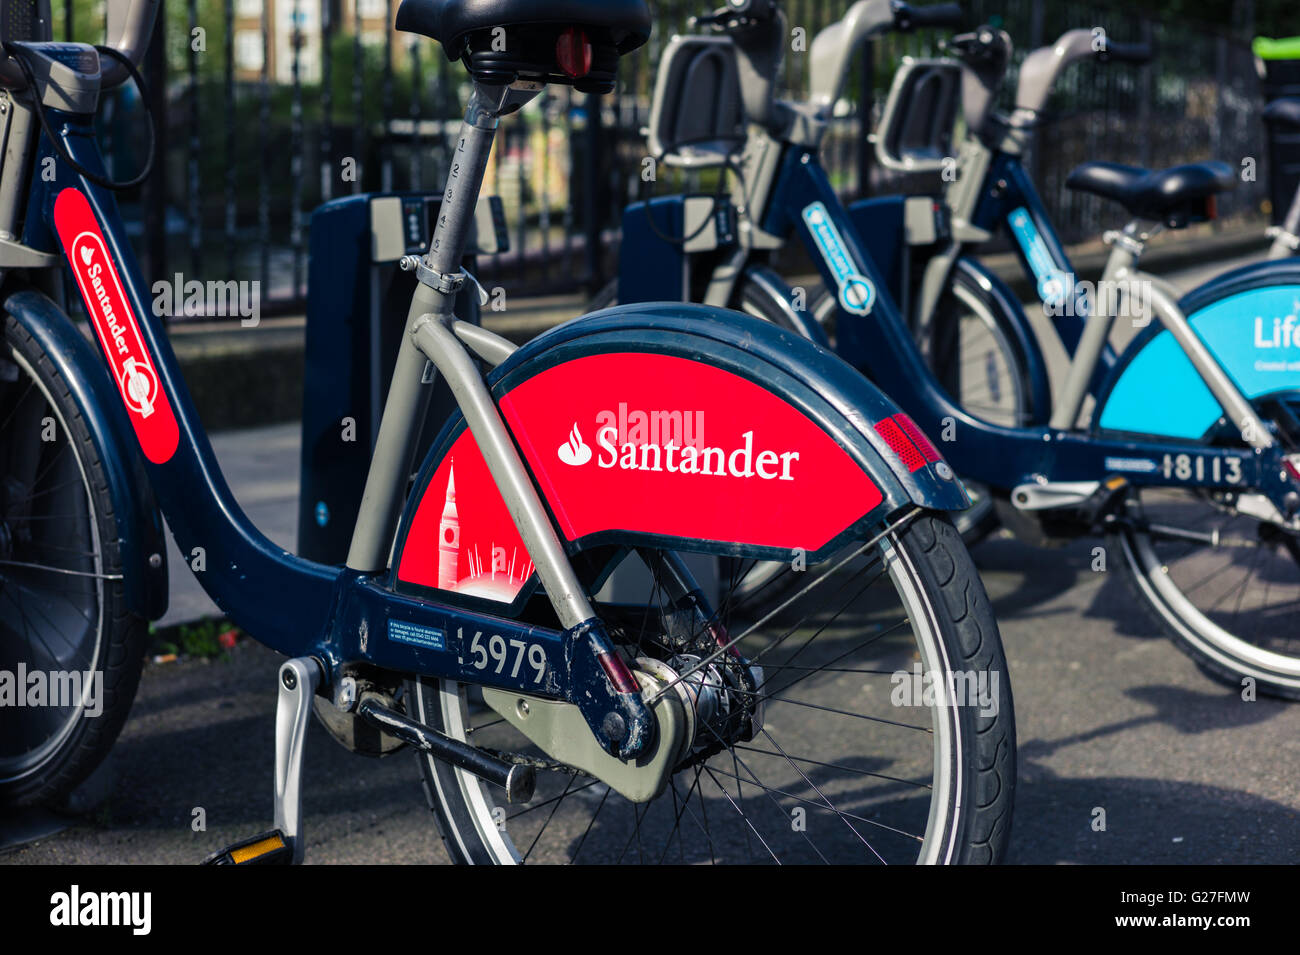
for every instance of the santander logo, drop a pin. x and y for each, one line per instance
(681, 449)
(573, 452)
(115, 326)
(672, 453)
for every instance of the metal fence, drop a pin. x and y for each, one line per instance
(266, 108)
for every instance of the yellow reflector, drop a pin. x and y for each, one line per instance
(260, 848)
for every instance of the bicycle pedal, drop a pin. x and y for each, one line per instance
(1105, 500)
(267, 848)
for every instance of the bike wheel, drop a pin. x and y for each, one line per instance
(1227, 597)
(975, 358)
(62, 599)
(842, 769)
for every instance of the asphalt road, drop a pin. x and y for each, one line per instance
(1109, 717)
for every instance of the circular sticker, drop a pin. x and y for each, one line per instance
(857, 294)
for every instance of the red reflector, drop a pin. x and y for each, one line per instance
(1211, 207)
(573, 51)
(900, 444)
(918, 438)
(720, 637)
(618, 673)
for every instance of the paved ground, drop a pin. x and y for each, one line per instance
(1108, 716)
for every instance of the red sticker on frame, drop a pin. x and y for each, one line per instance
(115, 324)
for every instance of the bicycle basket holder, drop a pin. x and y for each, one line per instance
(915, 133)
(697, 118)
(27, 20)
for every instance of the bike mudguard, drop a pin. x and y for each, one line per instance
(1250, 320)
(670, 425)
(139, 523)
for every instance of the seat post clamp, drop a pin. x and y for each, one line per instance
(446, 283)
(1128, 241)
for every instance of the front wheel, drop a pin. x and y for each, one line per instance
(1223, 583)
(63, 613)
(881, 729)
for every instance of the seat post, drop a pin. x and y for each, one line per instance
(1126, 250)
(440, 277)
(465, 178)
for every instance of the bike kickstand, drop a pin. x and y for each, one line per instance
(283, 845)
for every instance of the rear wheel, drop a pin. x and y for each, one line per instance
(63, 611)
(1229, 595)
(844, 761)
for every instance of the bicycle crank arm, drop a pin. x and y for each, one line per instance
(516, 779)
(284, 845)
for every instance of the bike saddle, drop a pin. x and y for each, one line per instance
(573, 42)
(1283, 112)
(1177, 196)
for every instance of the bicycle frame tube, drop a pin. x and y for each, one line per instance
(1286, 237)
(1010, 201)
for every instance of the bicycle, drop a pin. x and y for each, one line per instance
(468, 621)
(1187, 430)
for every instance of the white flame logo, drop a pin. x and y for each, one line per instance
(573, 452)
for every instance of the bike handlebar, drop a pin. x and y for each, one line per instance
(130, 23)
(833, 47)
(1041, 68)
(129, 35)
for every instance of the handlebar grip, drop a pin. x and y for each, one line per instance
(909, 17)
(1138, 53)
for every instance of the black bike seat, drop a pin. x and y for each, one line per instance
(451, 21)
(1176, 196)
(1283, 112)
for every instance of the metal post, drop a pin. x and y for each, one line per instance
(326, 100)
(594, 195)
(230, 121)
(194, 208)
(1144, 98)
(1220, 112)
(1036, 16)
(154, 193)
(866, 97)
